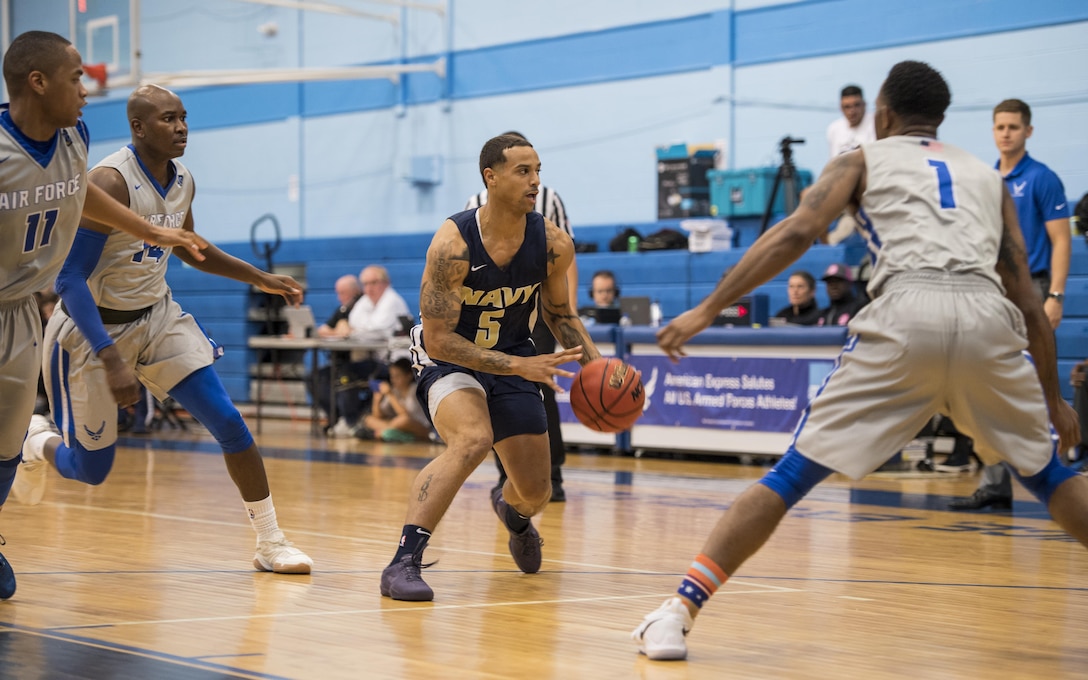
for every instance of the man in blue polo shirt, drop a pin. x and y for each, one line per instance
(1043, 212)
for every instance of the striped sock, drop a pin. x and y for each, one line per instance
(703, 579)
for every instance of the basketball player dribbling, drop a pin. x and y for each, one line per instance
(476, 361)
(119, 326)
(953, 309)
(43, 192)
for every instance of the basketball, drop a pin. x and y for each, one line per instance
(607, 395)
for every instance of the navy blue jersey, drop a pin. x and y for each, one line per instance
(498, 305)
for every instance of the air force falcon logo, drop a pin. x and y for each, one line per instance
(95, 436)
(1018, 189)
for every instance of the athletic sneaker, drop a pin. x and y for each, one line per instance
(341, 429)
(660, 636)
(7, 577)
(524, 546)
(281, 557)
(29, 484)
(402, 579)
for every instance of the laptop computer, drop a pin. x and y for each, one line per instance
(406, 323)
(637, 309)
(300, 321)
(601, 314)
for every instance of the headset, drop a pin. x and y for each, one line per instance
(609, 274)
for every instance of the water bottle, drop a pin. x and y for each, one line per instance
(632, 244)
(655, 313)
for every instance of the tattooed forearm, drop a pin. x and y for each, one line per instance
(423, 493)
(572, 334)
(464, 353)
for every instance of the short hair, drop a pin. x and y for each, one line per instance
(851, 91)
(917, 92)
(403, 364)
(382, 272)
(493, 154)
(809, 278)
(352, 281)
(32, 51)
(1014, 106)
(606, 273)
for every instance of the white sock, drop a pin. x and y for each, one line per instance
(262, 515)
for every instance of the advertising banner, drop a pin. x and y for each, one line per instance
(724, 393)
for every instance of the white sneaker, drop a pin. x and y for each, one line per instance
(342, 429)
(660, 636)
(29, 484)
(281, 557)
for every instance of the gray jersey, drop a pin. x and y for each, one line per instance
(929, 206)
(42, 189)
(130, 273)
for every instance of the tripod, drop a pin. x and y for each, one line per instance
(786, 178)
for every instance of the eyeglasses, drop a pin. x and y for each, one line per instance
(373, 282)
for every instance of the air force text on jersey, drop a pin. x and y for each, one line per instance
(171, 221)
(43, 193)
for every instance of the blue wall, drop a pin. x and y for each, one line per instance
(596, 86)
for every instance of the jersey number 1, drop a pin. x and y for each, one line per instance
(45, 220)
(944, 183)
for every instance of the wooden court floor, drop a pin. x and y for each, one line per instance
(149, 576)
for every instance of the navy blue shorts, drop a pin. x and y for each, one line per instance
(515, 404)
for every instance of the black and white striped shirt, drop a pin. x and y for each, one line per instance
(548, 204)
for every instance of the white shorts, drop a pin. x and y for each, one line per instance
(20, 363)
(163, 347)
(930, 343)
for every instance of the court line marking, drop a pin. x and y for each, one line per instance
(420, 607)
(190, 662)
(335, 537)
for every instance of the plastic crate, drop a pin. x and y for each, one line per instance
(744, 193)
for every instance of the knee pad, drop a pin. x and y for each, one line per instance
(202, 394)
(83, 465)
(1043, 483)
(794, 476)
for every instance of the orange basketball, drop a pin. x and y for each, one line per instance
(607, 395)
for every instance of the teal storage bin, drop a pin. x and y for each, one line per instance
(744, 193)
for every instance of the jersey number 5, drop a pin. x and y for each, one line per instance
(488, 333)
(944, 183)
(43, 220)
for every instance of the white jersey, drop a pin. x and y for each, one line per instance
(42, 190)
(929, 206)
(131, 274)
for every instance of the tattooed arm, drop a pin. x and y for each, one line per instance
(1012, 266)
(561, 317)
(440, 307)
(839, 186)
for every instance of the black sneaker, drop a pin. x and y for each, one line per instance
(402, 579)
(558, 494)
(958, 461)
(524, 546)
(983, 497)
(7, 576)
